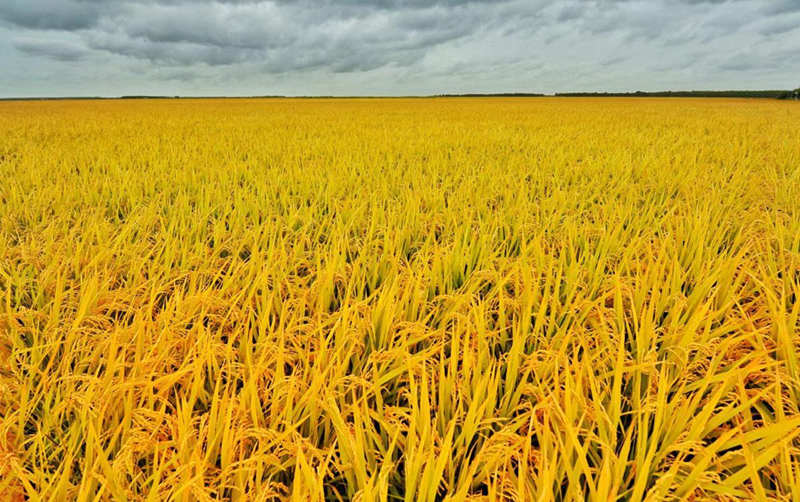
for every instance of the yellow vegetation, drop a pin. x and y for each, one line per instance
(420, 300)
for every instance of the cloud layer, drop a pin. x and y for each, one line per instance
(110, 47)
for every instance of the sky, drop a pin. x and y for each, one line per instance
(393, 47)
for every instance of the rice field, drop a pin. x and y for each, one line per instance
(400, 300)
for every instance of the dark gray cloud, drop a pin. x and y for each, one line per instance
(60, 51)
(51, 14)
(394, 46)
(775, 7)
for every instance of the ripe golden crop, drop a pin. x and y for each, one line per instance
(400, 299)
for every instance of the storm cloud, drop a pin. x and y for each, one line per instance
(252, 47)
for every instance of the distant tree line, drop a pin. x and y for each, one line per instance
(772, 94)
(493, 95)
(148, 97)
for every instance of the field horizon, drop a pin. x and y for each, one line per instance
(707, 93)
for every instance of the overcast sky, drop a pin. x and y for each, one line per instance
(393, 47)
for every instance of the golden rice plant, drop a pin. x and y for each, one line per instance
(402, 299)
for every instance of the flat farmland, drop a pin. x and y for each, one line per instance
(400, 299)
